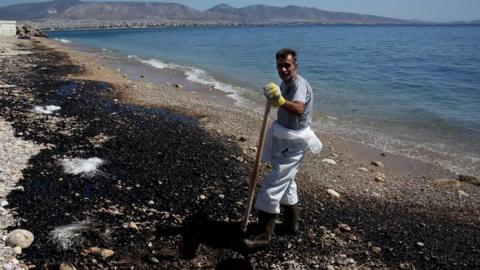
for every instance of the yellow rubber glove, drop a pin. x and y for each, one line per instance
(273, 94)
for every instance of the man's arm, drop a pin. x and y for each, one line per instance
(294, 107)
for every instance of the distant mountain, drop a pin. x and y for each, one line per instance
(36, 11)
(291, 13)
(75, 11)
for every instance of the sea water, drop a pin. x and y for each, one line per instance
(413, 90)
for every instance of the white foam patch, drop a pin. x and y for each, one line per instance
(132, 56)
(202, 77)
(83, 167)
(74, 235)
(49, 109)
(63, 40)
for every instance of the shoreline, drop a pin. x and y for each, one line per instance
(140, 137)
(195, 103)
(417, 142)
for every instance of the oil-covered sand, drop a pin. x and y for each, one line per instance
(171, 191)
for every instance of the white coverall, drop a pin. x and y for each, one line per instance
(285, 149)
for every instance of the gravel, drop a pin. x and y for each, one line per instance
(173, 184)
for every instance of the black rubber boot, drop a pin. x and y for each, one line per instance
(289, 225)
(265, 229)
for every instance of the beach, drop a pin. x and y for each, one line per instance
(175, 166)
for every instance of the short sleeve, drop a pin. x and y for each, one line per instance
(301, 92)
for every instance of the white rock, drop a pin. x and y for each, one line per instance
(329, 161)
(8, 266)
(221, 196)
(462, 193)
(4, 203)
(17, 250)
(379, 177)
(333, 193)
(20, 237)
(344, 227)
(363, 169)
(133, 225)
(378, 163)
(420, 244)
(67, 266)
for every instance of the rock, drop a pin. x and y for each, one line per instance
(8, 266)
(151, 202)
(102, 252)
(333, 193)
(363, 169)
(203, 197)
(242, 139)
(20, 237)
(153, 259)
(350, 261)
(18, 188)
(377, 250)
(67, 266)
(4, 203)
(330, 267)
(377, 164)
(329, 161)
(420, 244)
(17, 250)
(469, 179)
(447, 182)
(221, 196)
(462, 193)
(344, 227)
(26, 31)
(133, 225)
(178, 86)
(379, 177)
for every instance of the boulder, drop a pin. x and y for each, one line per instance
(26, 30)
(21, 238)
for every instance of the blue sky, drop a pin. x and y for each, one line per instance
(427, 10)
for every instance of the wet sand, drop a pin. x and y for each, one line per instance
(191, 156)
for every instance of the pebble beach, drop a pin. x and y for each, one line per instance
(155, 176)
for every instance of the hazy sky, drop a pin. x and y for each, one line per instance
(427, 10)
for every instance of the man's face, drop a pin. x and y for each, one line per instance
(286, 67)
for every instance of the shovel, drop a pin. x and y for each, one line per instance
(253, 179)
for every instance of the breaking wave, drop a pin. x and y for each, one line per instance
(200, 76)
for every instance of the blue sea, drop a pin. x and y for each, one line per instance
(413, 90)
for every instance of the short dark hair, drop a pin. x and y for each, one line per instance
(283, 53)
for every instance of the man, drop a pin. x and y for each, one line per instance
(288, 140)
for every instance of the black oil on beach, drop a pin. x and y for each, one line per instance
(180, 187)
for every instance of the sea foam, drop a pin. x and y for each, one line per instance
(63, 40)
(200, 76)
(83, 167)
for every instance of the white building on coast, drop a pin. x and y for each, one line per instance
(8, 28)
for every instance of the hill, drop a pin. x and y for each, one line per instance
(78, 12)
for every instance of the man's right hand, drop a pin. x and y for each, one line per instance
(273, 94)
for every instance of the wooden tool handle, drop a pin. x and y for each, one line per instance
(253, 179)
